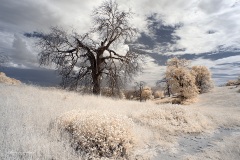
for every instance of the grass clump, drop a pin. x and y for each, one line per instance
(173, 120)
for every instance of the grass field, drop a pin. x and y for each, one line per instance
(34, 124)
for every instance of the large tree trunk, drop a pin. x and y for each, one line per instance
(96, 76)
(96, 84)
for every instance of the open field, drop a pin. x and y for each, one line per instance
(32, 120)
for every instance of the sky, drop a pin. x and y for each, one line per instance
(207, 32)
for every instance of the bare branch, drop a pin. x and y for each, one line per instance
(79, 58)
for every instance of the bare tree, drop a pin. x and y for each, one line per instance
(84, 61)
(164, 84)
(139, 89)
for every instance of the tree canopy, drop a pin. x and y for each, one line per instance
(84, 60)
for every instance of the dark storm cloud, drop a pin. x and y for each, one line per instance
(160, 36)
(26, 14)
(34, 35)
(43, 77)
(20, 54)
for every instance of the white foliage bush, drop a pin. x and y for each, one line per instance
(182, 82)
(202, 78)
(158, 94)
(147, 93)
(97, 135)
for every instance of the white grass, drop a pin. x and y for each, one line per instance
(27, 112)
(228, 149)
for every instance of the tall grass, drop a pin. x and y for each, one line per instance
(27, 114)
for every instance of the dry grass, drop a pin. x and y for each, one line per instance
(228, 149)
(173, 120)
(26, 113)
(7, 80)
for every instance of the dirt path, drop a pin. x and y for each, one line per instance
(222, 105)
(193, 144)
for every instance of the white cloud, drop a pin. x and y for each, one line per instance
(232, 59)
(220, 18)
(205, 62)
(21, 54)
(152, 72)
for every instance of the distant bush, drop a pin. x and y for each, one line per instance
(109, 93)
(230, 83)
(147, 93)
(202, 78)
(98, 135)
(158, 94)
(130, 94)
(233, 82)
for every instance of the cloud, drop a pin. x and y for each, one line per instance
(210, 7)
(205, 26)
(152, 72)
(217, 18)
(27, 15)
(167, 28)
(21, 55)
(198, 19)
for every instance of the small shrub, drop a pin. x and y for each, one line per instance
(230, 83)
(97, 135)
(147, 93)
(176, 101)
(233, 82)
(129, 94)
(107, 92)
(158, 94)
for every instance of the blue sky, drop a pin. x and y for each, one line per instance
(207, 32)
